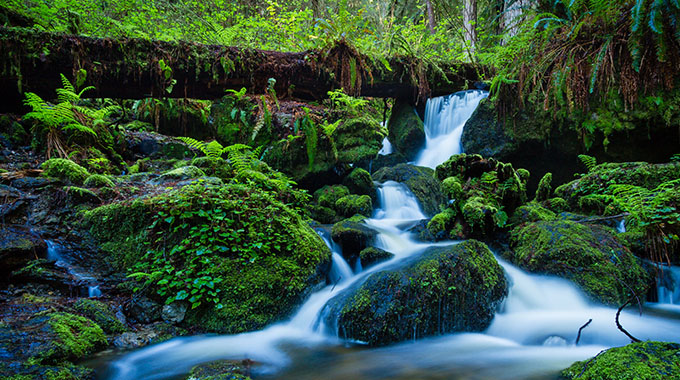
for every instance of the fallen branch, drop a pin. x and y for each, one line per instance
(578, 337)
(618, 325)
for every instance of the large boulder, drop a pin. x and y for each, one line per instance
(241, 258)
(589, 255)
(643, 360)
(444, 290)
(358, 140)
(406, 130)
(420, 180)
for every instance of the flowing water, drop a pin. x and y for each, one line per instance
(55, 252)
(533, 336)
(445, 117)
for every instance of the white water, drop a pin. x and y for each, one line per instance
(386, 147)
(532, 337)
(54, 253)
(621, 226)
(445, 117)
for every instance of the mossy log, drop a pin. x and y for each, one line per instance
(132, 68)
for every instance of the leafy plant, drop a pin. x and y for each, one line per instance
(588, 161)
(55, 122)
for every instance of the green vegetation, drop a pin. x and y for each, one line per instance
(644, 360)
(65, 170)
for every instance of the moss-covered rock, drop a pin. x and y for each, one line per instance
(358, 140)
(101, 314)
(589, 255)
(251, 258)
(598, 180)
(481, 192)
(65, 170)
(531, 212)
(181, 173)
(17, 248)
(72, 337)
(353, 236)
(406, 130)
(372, 255)
(440, 224)
(221, 370)
(352, 204)
(98, 180)
(643, 360)
(446, 289)
(323, 215)
(291, 156)
(327, 196)
(420, 180)
(360, 182)
(544, 188)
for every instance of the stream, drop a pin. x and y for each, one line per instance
(532, 336)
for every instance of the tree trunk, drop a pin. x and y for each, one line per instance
(430, 16)
(132, 69)
(470, 23)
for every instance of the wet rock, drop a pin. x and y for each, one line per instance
(174, 312)
(590, 255)
(388, 160)
(352, 204)
(180, 174)
(360, 182)
(372, 256)
(358, 140)
(132, 340)
(100, 313)
(420, 180)
(643, 360)
(29, 183)
(221, 370)
(18, 247)
(143, 310)
(406, 130)
(443, 290)
(353, 236)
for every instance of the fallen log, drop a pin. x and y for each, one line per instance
(136, 68)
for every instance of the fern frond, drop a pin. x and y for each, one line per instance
(588, 161)
(213, 149)
(193, 143)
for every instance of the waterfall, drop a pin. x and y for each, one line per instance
(445, 117)
(668, 285)
(532, 336)
(386, 147)
(621, 226)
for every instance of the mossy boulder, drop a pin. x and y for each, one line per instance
(531, 212)
(420, 180)
(544, 188)
(71, 337)
(353, 236)
(327, 196)
(589, 255)
(358, 140)
(98, 180)
(254, 257)
(65, 170)
(481, 194)
(180, 174)
(586, 192)
(406, 130)
(352, 204)
(444, 290)
(360, 182)
(642, 360)
(372, 256)
(292, 157)
(101, 314)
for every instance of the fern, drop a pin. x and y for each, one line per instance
(588, 161)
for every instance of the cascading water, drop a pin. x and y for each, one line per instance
(445, 117)
(55, 253)
(668, 287)
(533, 336)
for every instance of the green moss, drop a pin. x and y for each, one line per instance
(182, 173)
(589, 255)
(446, 289)
(452, 188)
(556, 204)
(643, 360)
(406, 130)
(354, 204)
(442, 222)
(372, 255)
(221, 370)
(544, 188)
(531, 212)
(77, 336)
(359, 181)
(80, 194)
(100, 313)
(478, 212)
(65, 170)
(327, 196)
(98, 180)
